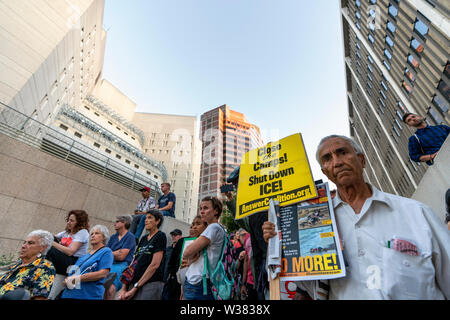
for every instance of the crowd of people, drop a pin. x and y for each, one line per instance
(128, 266)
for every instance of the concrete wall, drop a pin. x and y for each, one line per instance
(431, 189)
(37, 190)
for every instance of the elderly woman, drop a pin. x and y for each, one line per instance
(86, 278)
(73, 241)
(31, 277)
(147, 281)
(123, 245)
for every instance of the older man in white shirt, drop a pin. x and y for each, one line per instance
(395, 247)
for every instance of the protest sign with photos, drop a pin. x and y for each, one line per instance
(311, 248)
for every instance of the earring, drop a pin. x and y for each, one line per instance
(39, 255)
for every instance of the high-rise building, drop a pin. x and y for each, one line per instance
(51, 54)
(397, 61)
(226, 136)
(172, 141)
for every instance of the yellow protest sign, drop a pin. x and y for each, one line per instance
(278, 170)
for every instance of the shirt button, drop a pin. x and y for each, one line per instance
(361, 252)
(406, 263)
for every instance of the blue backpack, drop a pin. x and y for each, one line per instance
(224, 278)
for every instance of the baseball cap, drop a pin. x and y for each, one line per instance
(145, 189)
(176, 232)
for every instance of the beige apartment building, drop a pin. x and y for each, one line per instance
(226, 136)
(173, 141)
(397, 61)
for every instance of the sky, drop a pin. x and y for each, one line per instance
(279, 62)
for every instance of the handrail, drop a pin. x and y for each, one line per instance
(19, 126)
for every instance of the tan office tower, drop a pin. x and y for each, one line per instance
(51, 53)
(172, 141)
(226, 136)
(397, 61)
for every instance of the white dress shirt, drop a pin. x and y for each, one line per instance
(375, 271)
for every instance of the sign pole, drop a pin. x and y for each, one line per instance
(275, 290)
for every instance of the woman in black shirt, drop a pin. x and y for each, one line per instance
(147, 282)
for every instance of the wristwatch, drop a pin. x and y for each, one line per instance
(136, 286)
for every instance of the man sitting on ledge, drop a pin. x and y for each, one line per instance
(426, 142)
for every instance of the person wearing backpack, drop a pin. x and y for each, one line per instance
(211, 240)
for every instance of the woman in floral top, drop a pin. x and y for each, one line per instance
(32, 272)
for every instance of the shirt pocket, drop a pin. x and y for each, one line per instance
(406, 277)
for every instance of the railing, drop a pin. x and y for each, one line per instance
(21, 127)
(98, 133)
(109, 111)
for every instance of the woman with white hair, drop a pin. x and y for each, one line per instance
(32, 276)
(87, 276)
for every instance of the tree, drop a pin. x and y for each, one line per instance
(227, 220)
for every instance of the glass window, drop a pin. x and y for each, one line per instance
(370, 69)
(400, 105)
(371, 39)
(416, 45)
(384, 86)
(393, 11)
(398, 124)
(358, 16)
(396, 131)
(370, 86)
(391, 27)
(369, 77)
(389, 41)
(444, 88)
(383, 95)
(387, 54)
(358, 26)
(386, 65)
(447, 70)
(413, 61)
(420, 27)
(407, 87)
(373, 1)
(358, 4)
(370, 59)
(440, 103)
(410, 75)
(435, 115)
(381, 109)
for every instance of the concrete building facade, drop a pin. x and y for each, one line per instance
(226, 136)
(67, 137)
(172, 140)
(51, 54)
(397, 61)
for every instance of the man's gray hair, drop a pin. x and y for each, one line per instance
(103, 230)
(125, 219)
(45, 239)
(353, 143)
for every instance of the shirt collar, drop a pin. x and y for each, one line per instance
(377, 195)
(422, 129)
